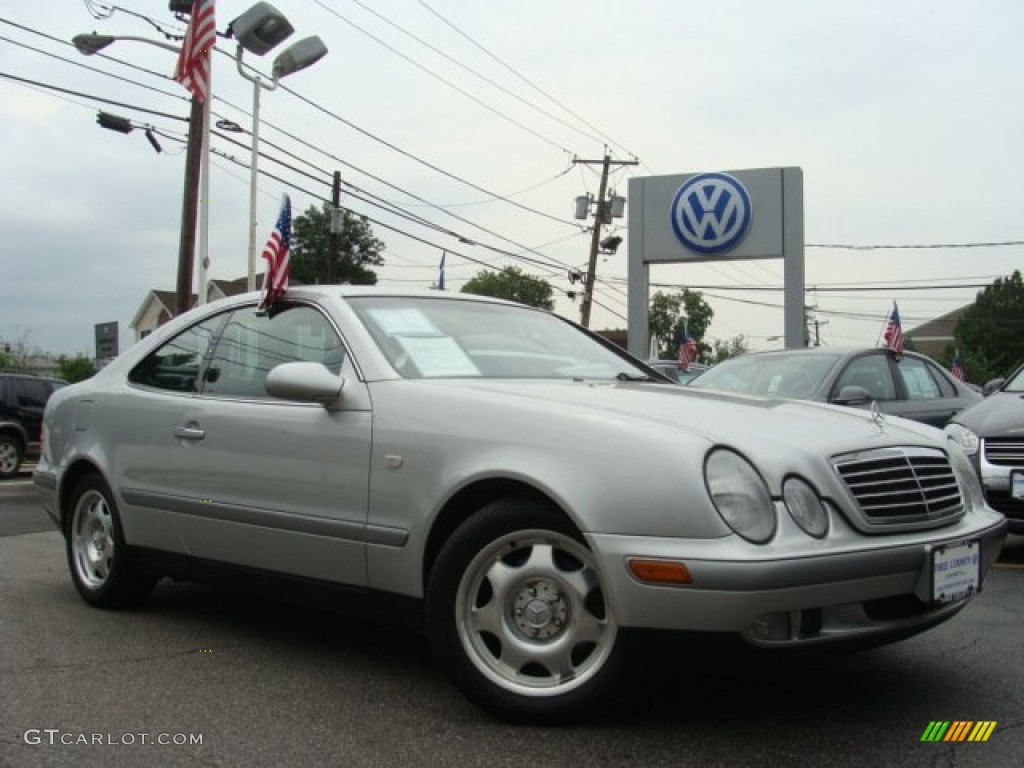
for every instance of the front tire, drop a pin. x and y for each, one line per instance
(96, 551)
(517, 616)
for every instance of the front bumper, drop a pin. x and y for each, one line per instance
(880, 587)
(995, 480)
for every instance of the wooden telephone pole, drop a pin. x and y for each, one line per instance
(602, 215)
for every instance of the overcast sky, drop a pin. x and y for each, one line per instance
(905, 117)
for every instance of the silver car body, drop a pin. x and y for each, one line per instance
(997, 423)
(364, 491)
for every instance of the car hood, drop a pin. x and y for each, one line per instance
(753, 424)
(1001, 413)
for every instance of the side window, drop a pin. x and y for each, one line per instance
(175, 365)
(31, 393)
(870, 372)
(252, 343)
(919, 382)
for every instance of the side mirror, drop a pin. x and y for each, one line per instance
(304, 382)
(992, 386)
(851, 394)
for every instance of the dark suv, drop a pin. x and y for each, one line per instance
(22, 399)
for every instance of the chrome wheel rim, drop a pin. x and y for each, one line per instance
(8, 457)
(92, 539)
(532, 616)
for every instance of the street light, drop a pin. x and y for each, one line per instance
(87, 45)
(90, 44)
(258, 30)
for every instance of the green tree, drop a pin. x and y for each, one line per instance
(990, 334)
(673, 314)
(733, 347)
(357, 248)
(514, 285)
(78, 368)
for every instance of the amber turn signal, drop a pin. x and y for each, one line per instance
(660, 571)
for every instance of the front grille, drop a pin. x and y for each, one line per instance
(1004, 451)
(906, 487)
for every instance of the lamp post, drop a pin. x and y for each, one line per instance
(90, 44)
(258, 30)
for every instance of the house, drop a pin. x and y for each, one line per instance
(936, 336)
(158, 306)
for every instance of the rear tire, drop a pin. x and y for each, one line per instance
(10, 455)
(518, 619)
(97, 555)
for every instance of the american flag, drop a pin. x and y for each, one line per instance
(194, 63)
(958, 367)
(893, 335)
(687, 352)
(276, 253)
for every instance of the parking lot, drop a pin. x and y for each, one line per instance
(204, 677)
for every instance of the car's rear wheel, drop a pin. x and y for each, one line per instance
(97, 555)
(10, 455)
(518, 618)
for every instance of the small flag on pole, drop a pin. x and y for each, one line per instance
(958, 367)
(194, 62)
(893, 335)
(275, 283)
(687, 352)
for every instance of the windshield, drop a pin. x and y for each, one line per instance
(1016, 382)
(447, 337)
(795, 376)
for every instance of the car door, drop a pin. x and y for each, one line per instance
(275, 485)
(142, 424)
(871, 372)
(928, 396)
(30, 396)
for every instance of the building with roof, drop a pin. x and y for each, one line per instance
(936, 336)
(158, 306)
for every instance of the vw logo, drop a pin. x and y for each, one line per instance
(711, 212)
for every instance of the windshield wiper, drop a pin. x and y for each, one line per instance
(623, 376)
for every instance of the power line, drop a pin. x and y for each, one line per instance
(473, 72)
(447, 82)
(491, 195)
(68, 91)
(523, 78)
(848, 247)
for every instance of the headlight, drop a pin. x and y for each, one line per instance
(966, 477)
(805, 507)
(740, 495)
(966, 439)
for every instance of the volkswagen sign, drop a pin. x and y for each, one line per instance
(711, 213)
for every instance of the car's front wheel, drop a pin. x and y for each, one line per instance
(97, 555)
(10, 455)
(518, 617)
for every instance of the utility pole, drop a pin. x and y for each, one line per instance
(602, 215)
(189, 208)
(334, 238)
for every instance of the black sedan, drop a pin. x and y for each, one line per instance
(912, 385)
(992, 433)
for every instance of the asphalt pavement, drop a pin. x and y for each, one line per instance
(202, 677)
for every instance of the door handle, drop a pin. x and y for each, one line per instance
(190, 431)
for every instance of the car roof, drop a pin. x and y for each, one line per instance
(345, 291)
(828, 352)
